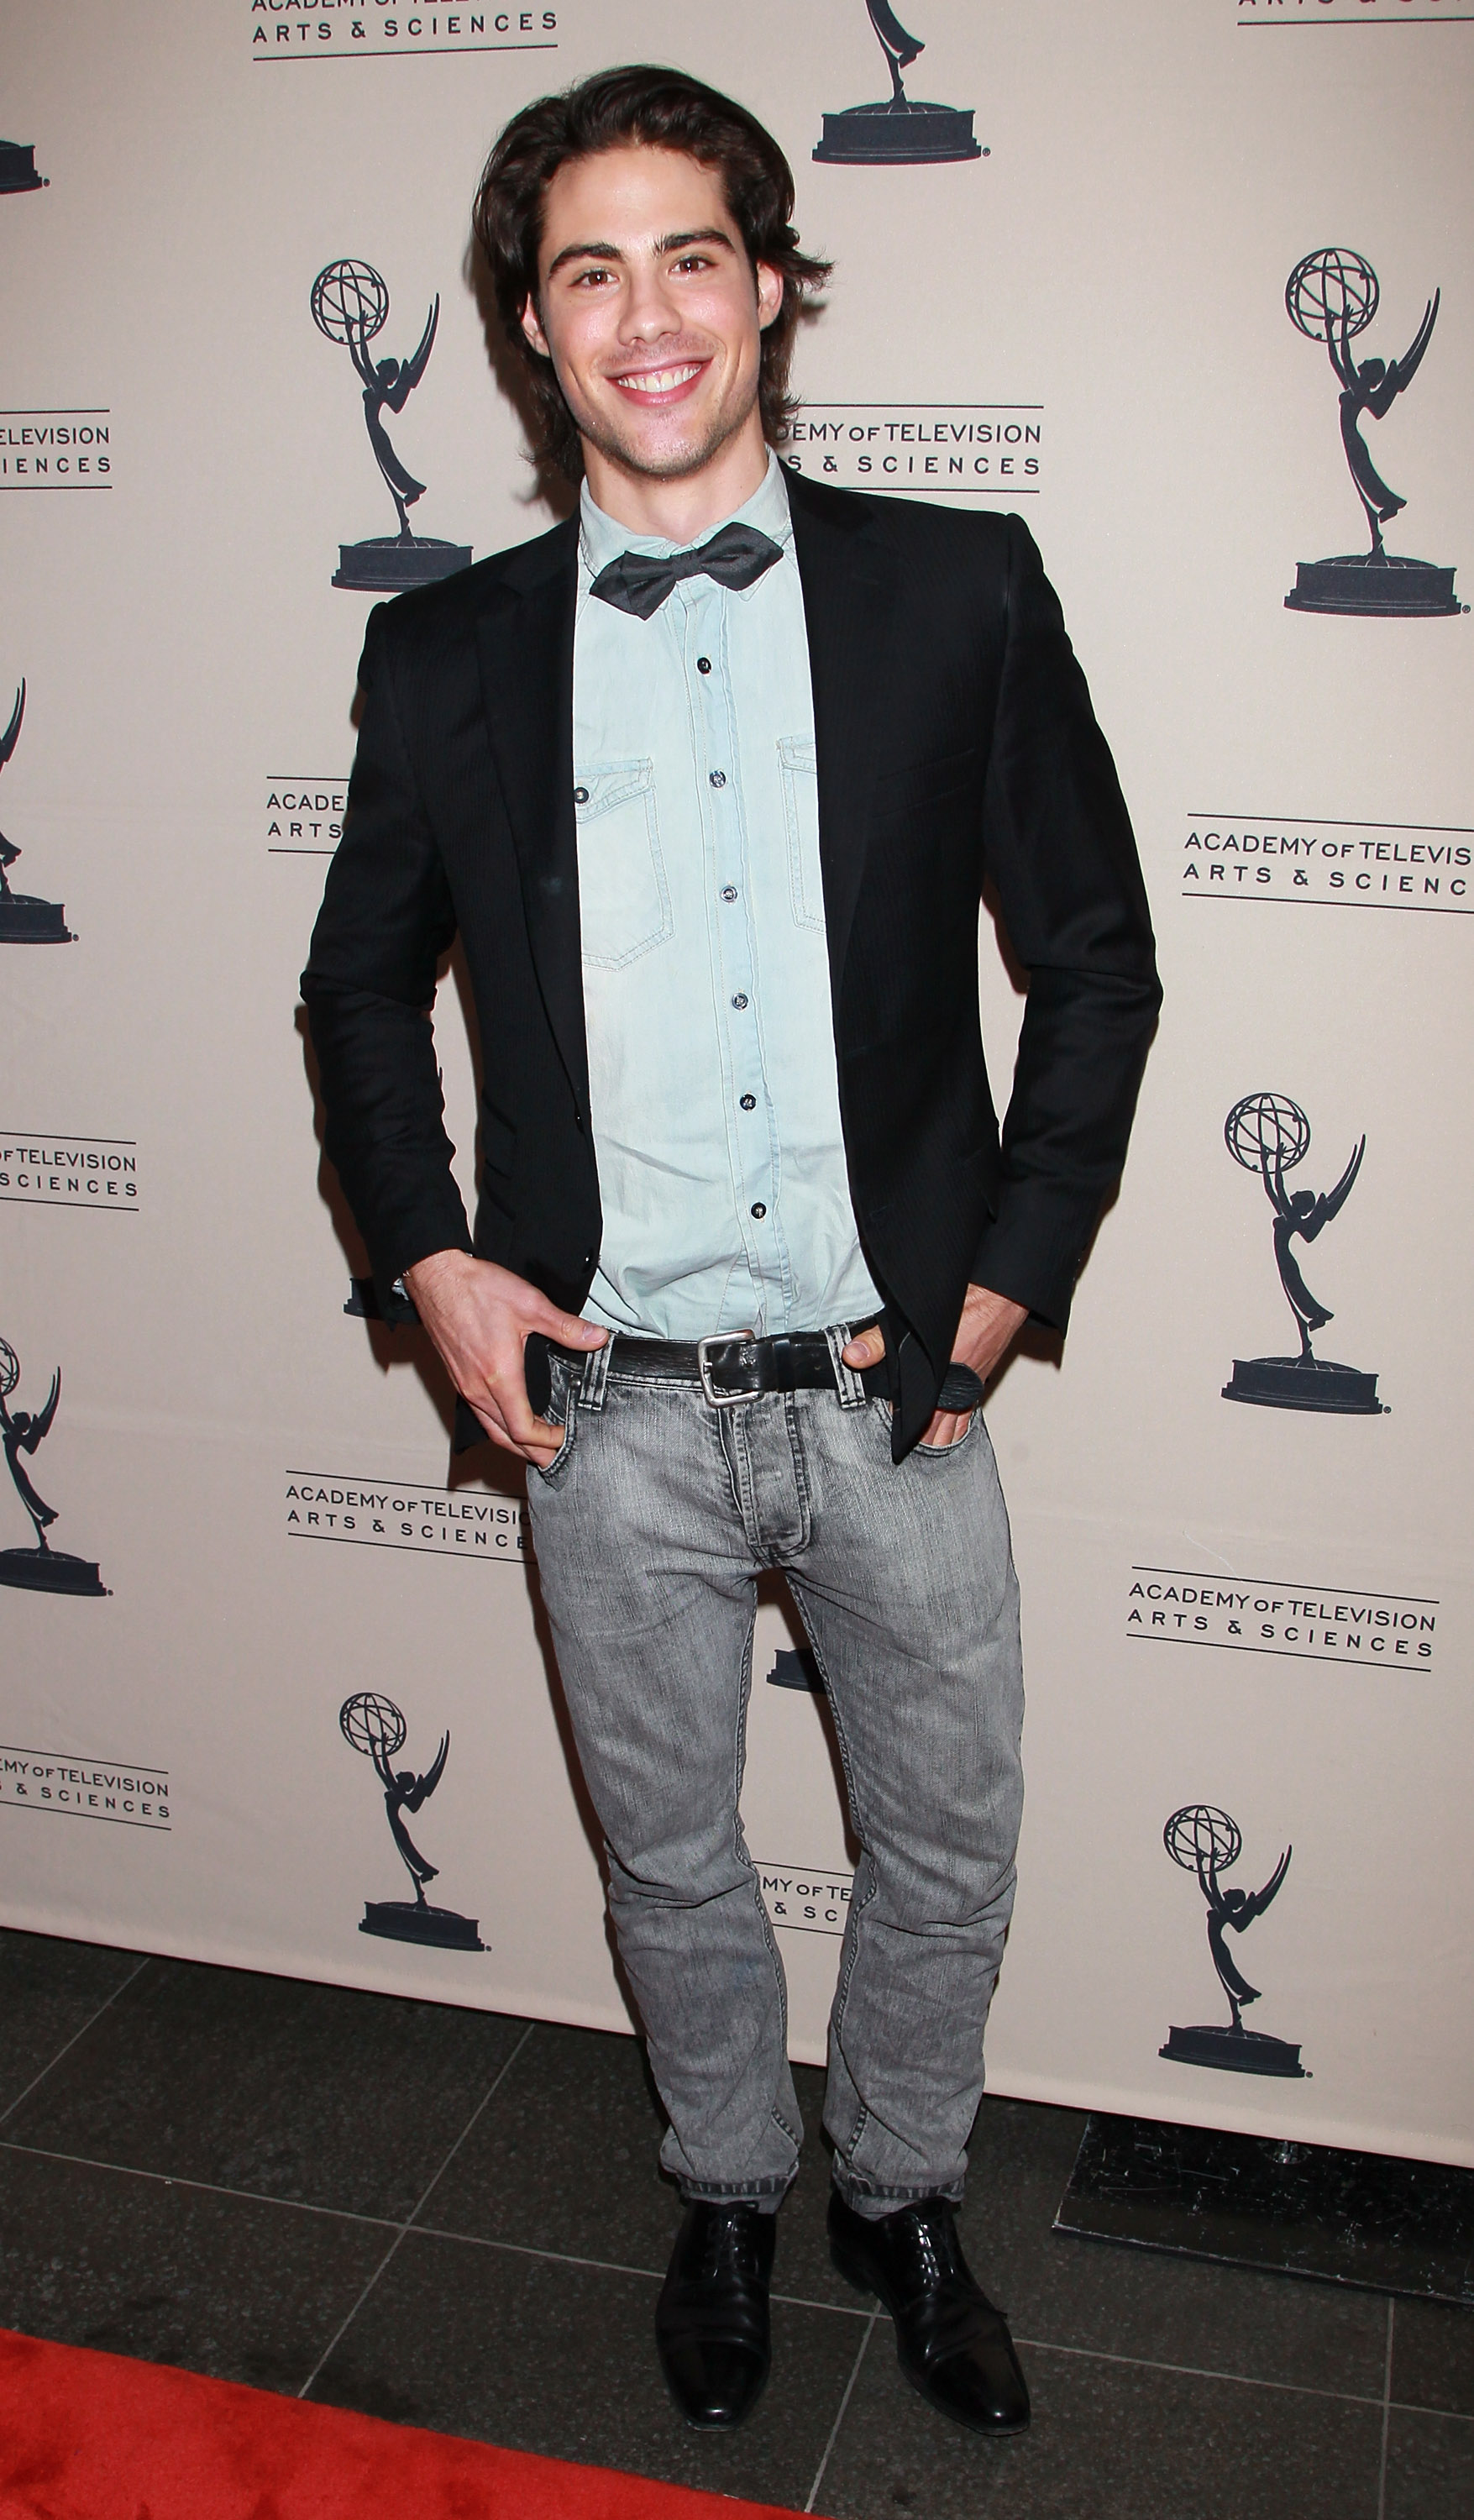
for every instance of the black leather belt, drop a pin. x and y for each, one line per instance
(731, 1367)
(739, 1367)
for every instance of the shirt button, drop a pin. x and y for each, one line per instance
(740, 1000)
(704, 664)
(580, 795)
(749, 1102)
(728, 892)
(718, 778)
(758, 1208)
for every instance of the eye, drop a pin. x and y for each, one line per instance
(694, 262)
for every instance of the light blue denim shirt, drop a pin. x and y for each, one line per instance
(713, 1093)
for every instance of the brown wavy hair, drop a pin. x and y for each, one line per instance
(660, 108)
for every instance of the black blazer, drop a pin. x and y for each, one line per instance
(955, 737)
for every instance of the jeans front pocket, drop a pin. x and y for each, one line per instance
(561, 1412)
(880, 1413)
(941, 1452)
(623, 898)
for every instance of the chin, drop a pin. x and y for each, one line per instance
(662, 457)
(667, 463)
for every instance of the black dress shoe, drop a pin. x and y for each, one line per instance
(711, 2319)
(951, 2343)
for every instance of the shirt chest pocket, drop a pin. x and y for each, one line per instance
(798, 765)
(623, 898)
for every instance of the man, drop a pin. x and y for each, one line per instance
(708, 778)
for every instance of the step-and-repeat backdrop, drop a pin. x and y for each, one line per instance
(1188, 283)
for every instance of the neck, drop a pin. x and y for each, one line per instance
(684, 509)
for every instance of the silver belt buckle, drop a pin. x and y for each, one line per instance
(721, 1399)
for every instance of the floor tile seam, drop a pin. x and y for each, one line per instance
(483, 2104)
(1386, 2412)
(524, 2249)
(248, 2195)
(204, 2187)
(337, 2338)
(870, 2316)
(1438, 2415)
(840, 2308)
(343, 2325)
(608, 2266)
(1201, 2371)
(68, 2044)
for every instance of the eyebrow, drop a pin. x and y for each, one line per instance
(675, 243)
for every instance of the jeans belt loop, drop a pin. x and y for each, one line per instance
(847, 1383)
(594, 1381)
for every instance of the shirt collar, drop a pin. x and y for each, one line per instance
(600, 539)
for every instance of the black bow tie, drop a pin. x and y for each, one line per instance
(638, 583)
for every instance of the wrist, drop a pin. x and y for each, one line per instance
(436, 1271)
(985, 1300)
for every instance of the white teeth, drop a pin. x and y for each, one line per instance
(658, 379)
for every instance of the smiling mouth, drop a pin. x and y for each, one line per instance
(656, 385)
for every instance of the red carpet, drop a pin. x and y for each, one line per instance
(94, 2437)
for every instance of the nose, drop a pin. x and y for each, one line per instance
(650, 311)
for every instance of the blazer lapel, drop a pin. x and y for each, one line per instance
(848, 580)
(527, 656)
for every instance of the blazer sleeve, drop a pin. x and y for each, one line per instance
(1057, 841)
(370, 985)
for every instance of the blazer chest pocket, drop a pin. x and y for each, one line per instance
(623, 898)
(798, 765)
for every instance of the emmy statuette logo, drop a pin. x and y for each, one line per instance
(22, 1432)
(1269, 1134)
(897, 132)
(24, 918)
(1206, 1841)
(1331, 295)
(17, 167)
(350, 306)
(373, 1726)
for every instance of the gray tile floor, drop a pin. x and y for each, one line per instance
(451, 2219)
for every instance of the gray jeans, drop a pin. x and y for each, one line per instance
(650, 1528)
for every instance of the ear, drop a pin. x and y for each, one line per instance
(769, 294)
(532, 328)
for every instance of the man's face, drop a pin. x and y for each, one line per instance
(649, 308)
